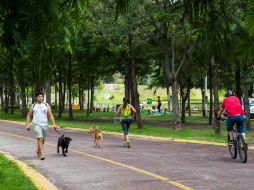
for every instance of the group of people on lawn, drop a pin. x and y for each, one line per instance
(155, 109)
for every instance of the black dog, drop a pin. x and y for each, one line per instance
(64, 143)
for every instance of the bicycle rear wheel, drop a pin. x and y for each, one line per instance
(232, 150)
(242, 149)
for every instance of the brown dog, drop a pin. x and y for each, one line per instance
(97, 135)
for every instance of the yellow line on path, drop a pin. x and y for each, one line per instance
(174, 183)
(40, 181)
(143, 136)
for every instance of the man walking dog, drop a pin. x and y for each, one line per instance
(40, 112)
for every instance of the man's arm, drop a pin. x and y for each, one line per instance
(28, 118)
(220, 111)
(51, 117)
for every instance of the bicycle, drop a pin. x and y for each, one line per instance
(239, 145)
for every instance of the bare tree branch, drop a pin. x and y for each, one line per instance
(184, 58)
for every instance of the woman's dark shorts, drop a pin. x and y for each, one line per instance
(126, 124)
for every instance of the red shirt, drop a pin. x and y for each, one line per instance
(233, 106)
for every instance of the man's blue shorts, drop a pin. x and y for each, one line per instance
(239, 121)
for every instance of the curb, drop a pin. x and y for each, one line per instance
(39, 180)
(160, 138)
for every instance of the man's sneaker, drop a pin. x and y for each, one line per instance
(128, 144)
(124, 144)
(231, 142)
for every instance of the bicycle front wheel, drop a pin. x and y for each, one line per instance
(242, 149)
(232, 150)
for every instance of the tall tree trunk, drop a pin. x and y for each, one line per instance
(211, 96)
(27, 95)
(48, 92)
(80, 96)
(6, 100)
(168, 93)
(69, 86)
(175, 103)
(134, 83)
(64, 95)
(203, 102)
(56, 90)
(88, 97)
(126, 87)
(238, 80)
(183, 120)
(174, 88)
(2, 98)
(23, 99)
(184, 99)
(127, 77)
(189, 105)
(23, 91)
(171, 78)
(206, 97)
(60, 94)
(246, 96)
(130, 83)
(168, 75)
(92, 94)
(12, 96)
(216, 95)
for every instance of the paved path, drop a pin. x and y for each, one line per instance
(149, 164)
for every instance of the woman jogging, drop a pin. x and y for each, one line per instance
(126, 113)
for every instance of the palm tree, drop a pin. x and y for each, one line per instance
(250, 17)
(210, 21)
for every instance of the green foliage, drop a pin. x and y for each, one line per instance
(250, 17)
(75, 91)
(38, 39)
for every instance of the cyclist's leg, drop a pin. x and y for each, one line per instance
(240, 125)
(230, 123)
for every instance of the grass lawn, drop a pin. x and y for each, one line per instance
(196, 127)
(11, 178)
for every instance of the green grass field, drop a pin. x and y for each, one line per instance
(11, 178)
(111, 94)
(196, 127)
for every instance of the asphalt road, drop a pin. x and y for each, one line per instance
(149, 164)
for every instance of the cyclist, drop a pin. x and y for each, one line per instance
(235, 114)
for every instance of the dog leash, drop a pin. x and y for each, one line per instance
(57, 131)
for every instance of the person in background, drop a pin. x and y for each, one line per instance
(159, 104)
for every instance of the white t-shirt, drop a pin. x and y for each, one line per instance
(40, 113)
